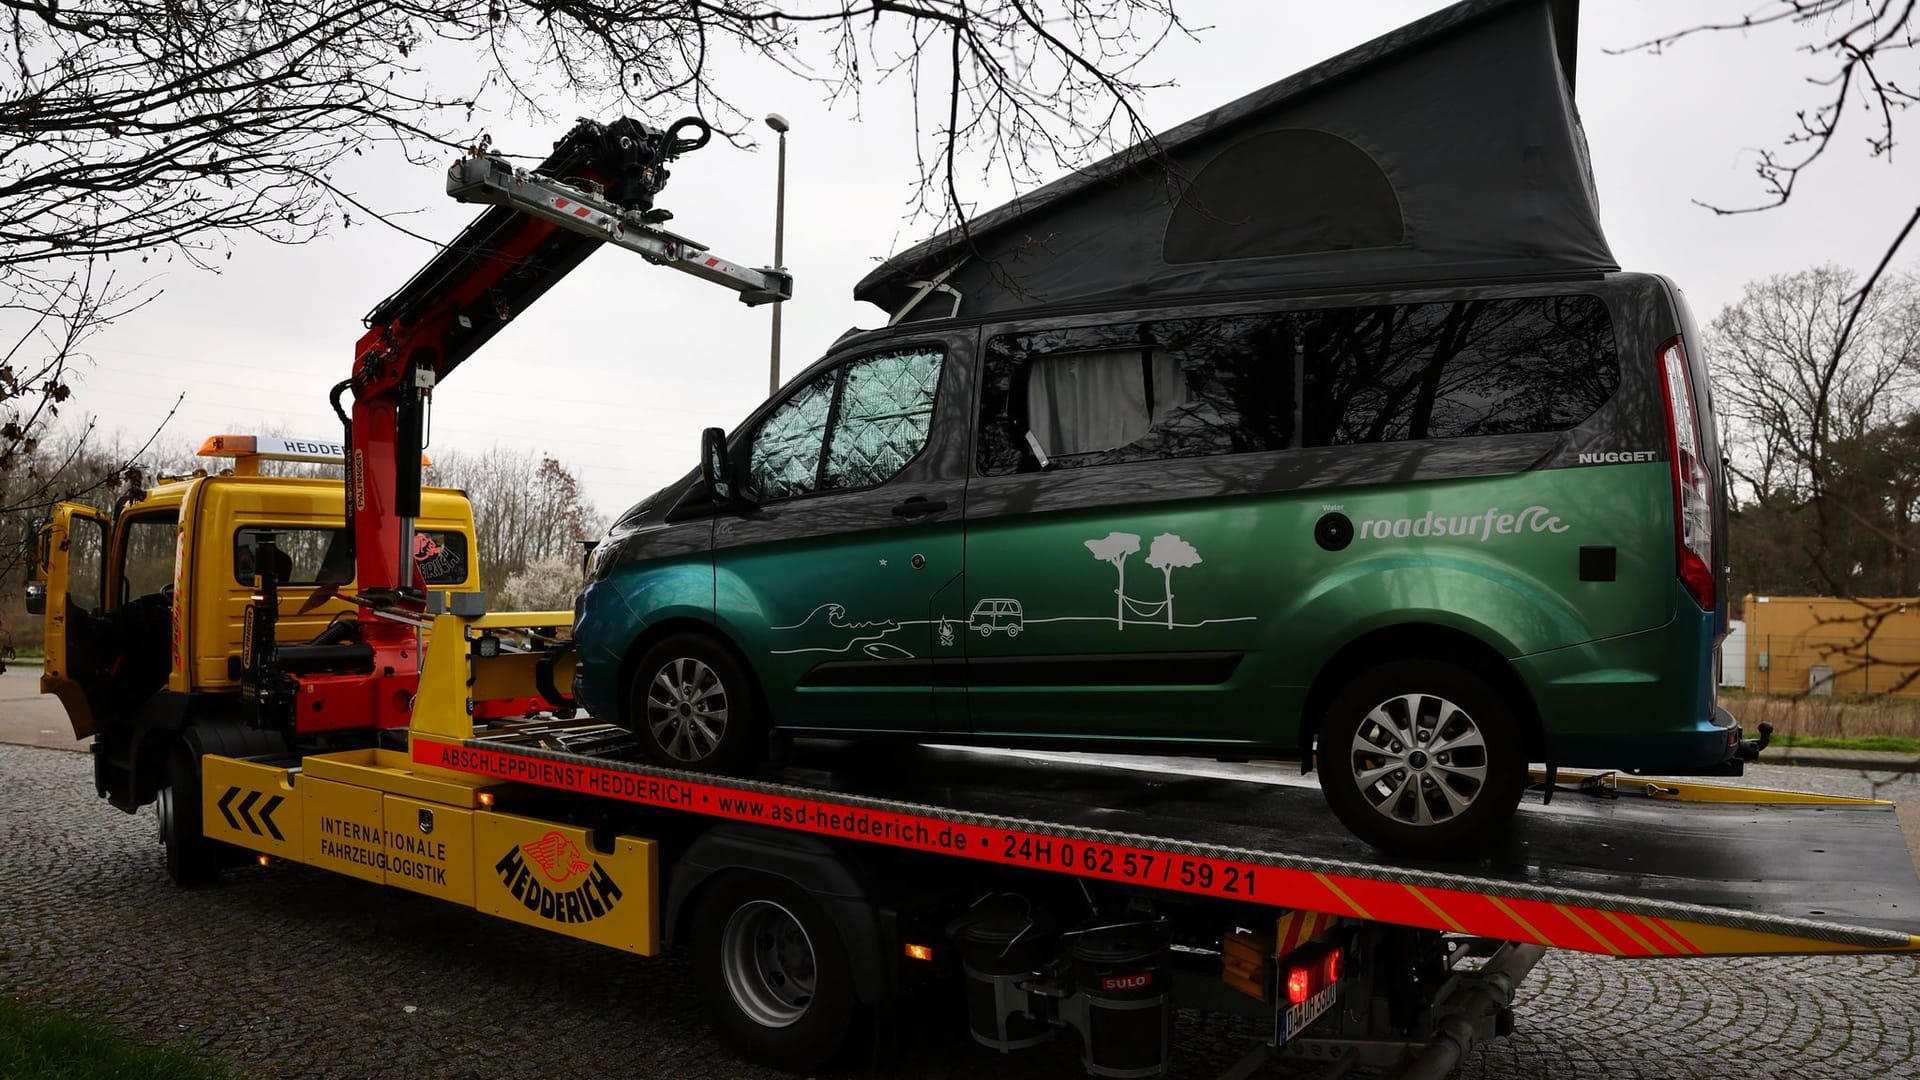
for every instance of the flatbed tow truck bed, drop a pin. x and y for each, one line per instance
(1618, 865)
(1077, 893)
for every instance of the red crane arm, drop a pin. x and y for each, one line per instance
(597, 187)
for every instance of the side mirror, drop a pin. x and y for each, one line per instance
(715, 467)
(36, 598)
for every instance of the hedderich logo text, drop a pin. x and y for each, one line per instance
(556, 861)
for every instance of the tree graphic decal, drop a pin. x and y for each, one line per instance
(1115, 548)
(1168, 553)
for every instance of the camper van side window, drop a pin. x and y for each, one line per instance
(1176, 388)
(880, 424)
(853, 426)
(1451, 370)
(785, 458)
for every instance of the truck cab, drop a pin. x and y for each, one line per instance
(145, 606)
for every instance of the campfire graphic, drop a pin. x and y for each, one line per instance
(558, 857)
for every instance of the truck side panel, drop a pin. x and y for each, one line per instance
(543, 874)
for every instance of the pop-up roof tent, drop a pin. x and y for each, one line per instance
(1446, 150)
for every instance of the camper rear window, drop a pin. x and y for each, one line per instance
(310, 556)
(1236, 384)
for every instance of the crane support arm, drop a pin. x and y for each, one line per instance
(496, 181)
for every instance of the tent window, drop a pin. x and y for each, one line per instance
(1294, 192)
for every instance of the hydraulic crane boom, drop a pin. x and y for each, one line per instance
(493, 180)
(597, 187)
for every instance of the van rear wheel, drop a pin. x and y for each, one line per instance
(692, 705)
(1422, 758)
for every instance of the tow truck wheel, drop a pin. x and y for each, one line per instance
(773, 971)
(692, 705)
(192, 859)
(1419, 757)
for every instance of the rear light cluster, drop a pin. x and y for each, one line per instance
(1693, 494)
(1310, 971)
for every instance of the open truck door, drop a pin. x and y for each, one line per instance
(69, 589)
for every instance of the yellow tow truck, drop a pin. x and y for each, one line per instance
(145, 609)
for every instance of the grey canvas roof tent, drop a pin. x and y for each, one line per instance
(1447, 150)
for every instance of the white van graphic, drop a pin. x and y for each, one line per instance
(997, 614)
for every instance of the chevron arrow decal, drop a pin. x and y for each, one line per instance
(266, 815)
(248, 819)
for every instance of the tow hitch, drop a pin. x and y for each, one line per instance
(1749, 749)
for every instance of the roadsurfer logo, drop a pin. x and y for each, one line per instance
(1480, 527)
(556, 861)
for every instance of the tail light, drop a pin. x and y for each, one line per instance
(1693, 495)
(1299, 985)
(1311, 971)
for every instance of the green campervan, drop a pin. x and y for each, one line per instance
(1353, 443)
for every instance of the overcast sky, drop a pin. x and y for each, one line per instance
(616, 371)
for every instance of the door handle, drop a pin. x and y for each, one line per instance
(917, 505)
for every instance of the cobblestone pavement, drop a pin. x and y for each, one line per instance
(293, 972)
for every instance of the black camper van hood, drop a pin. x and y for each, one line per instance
(1449, 149)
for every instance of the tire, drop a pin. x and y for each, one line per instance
(1398, 794)
(773, 971)
(191, 859)
(692, 706)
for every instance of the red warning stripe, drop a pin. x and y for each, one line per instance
(1296, 928)
(1507, 918)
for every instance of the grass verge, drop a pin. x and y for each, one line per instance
(55, 1046)
(1804, 717)
(1891, 744)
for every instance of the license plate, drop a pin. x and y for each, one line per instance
(1295, 1019)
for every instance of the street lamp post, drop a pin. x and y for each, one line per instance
(779, 124)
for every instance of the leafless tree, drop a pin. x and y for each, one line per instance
(164, 126)
(1794, 379)
(526, 507)
(1867, 49)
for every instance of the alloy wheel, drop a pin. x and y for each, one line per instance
(1419, 759)
(687, 709)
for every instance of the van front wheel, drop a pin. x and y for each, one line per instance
(691, 705)
(1419, 757)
